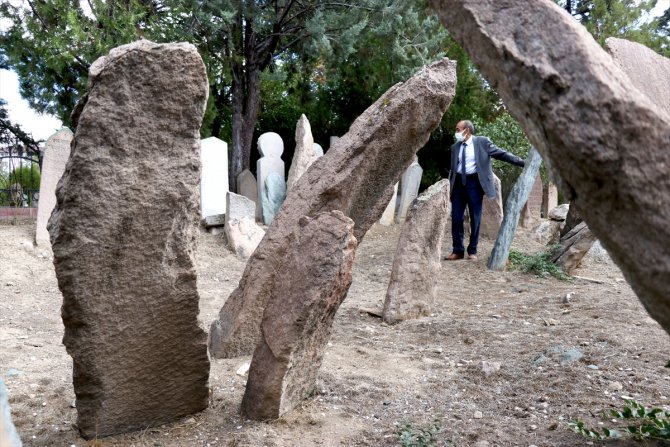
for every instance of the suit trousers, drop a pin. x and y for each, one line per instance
(471, 195)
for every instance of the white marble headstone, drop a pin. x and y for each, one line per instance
(214, 177)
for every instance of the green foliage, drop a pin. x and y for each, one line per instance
(410, 436)
(538, 263)
(26, 176)
(637, 422)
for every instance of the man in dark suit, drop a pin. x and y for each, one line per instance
(470, 178)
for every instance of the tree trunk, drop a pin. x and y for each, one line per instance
(246, 102)
(515, 202)
(573, 247)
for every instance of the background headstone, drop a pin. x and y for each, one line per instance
(270, 146)
(531, 211)
(242, 233)
(56, 153)
(214, 177)
(333, 140)
(318, 150)
(272, 196)
(247, 187)
(389, 213)
(304, 154)
(123, 235)
(409, 188)
(492, 212)
(296, 325)
(549, 199)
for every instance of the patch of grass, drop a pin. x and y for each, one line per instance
(410, 436)
(538, 263)
(636, 422)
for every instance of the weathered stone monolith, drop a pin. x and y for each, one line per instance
(214, 177)
(271, 147)
(492, 212)
(314, 276)
(123, 235)
(416, 266)
(304, 154)
(8, 435)
(356, 176)
(606, 141)
(56, 153)
(647, 70)
(409, 188)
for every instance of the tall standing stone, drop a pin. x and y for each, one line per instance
(56, 153)
(214, 177)
(123, 235)
(389, 213)
(492, 212)
(356, 176)
(296, 325)
(416, 266)
(606, 142)
(304, 154)
(531, 212)
(247, 187)
(271, 146)
(409, 188)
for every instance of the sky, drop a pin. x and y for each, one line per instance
(43, 126)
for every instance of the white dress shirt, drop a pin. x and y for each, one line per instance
(470, 164)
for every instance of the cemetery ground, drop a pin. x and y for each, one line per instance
(376, 380)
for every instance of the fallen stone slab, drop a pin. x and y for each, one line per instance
(123, 234)
(356, 176)
(606, 142)
(296, 325)
(416, 266)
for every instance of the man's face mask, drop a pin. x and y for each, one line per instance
(460, 136)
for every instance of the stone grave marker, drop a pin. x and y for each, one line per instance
(123, 234)
(242, 233)
(409, 188)
(272, 196)
(247, 187)
(389, 213)
(56, 153)
(271, 146)
(304, 154)
(214, 177)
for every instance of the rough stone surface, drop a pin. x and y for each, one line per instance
(554, 77)
(8, 435)
(214, 176)
(492, 212)
(530, 214)
(296, 325)
(573, 247)
(647, 70)
(217, 220)
(272, 196)
(355, 176)
(409, 188)
(123, 235)
(247, 187)
(549, 199)
(597, 253)
(56, 153)
(559, 213)
(242, 233)
(547, 231)
(412, 288)
(388, 217)
(304, 154)
(271, 146)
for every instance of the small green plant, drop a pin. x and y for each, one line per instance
(538, 263)
(410, 436)
(637, 421)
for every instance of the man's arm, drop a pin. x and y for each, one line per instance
(500, 154)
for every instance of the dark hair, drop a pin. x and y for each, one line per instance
(468, 125)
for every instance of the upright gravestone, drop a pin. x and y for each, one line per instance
(412, 288)
(304, 154)
(272, 196)
(549, 199)
(56, 153)
(214, 178)
(389, 213)
(318, 150)
(271, 146)
(123, 234)
(530, 213)
(247, 187)
(492, 212)
(409, 188)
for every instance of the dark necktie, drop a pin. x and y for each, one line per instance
(463, 175)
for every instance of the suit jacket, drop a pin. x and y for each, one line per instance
(484, 150)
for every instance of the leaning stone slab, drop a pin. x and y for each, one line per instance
(606, 142)
(296, 325)
(304, 154)
(648, 71)
(356, 176)
(56, 153)
(123, 235)
(8, 435)
(416, 266)
(492, 212)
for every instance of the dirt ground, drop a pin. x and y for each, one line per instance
(375, 378)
